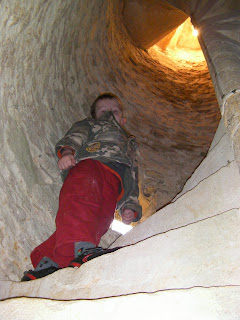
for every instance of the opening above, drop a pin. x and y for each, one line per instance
(180, 45)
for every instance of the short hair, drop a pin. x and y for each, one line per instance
(103, 96)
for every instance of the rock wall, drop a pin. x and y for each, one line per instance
(182, 260)
(55, 58)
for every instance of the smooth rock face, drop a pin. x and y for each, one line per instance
(194, 303)
(202, 254)
(219, 155)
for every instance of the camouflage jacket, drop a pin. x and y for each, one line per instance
(106, 141)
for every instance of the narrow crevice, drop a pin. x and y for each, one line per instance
(212, 174)
(129, 294)
(211, 149)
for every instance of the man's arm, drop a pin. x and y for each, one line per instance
(67, 160)
(131, 209)
(71, 143)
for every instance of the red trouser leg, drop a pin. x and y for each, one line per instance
(87, 204)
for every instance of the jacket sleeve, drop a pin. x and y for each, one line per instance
(74, 138)
(132, 201)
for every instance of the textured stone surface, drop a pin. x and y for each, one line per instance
(221, 131)
(56, 56)
(201, 254)
(149, 21)
(108, 238)
(195, 303)
(219, 155)
(232, 120)
(214, 195)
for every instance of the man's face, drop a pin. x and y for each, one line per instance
(107, 105)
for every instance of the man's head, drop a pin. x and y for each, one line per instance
(108, 102)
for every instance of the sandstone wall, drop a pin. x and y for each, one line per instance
(182, 260)
(55, 57)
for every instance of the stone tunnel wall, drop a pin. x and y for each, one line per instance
(56, 57)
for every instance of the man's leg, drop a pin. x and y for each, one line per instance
(42, 260)
(86, 208)
(87, 204)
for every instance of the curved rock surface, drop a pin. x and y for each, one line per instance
(56, 57)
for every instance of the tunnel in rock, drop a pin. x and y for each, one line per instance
(56, 57)
(181, 124)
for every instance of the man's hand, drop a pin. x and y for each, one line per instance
(127, 216)
(66, 162)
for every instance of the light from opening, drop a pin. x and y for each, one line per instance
(120, 227)
(195, 32)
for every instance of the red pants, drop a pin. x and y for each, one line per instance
(87, 203)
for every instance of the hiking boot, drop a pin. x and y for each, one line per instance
(90, 254)
(33, 275)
